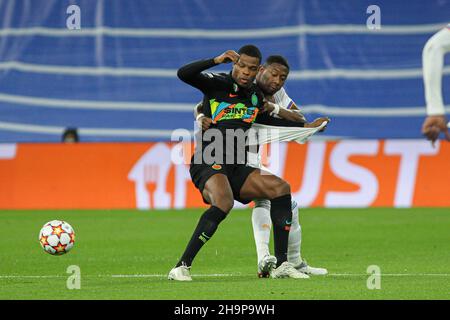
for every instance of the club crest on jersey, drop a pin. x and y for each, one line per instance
(254, 100)
(216, 166)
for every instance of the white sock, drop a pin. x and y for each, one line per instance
(262, 224)
(295, 237)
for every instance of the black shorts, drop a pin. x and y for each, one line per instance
(236, 174)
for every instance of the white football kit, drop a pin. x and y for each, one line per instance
(261, 219)
(433, 61)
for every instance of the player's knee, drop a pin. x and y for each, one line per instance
(279, 188)
(225, 204)
(224, 201)
(285, 188)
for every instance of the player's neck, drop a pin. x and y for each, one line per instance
(269, 97)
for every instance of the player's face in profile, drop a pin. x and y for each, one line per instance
(245, 70)
(272, 78)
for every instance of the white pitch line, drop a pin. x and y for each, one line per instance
(391, 274)
(246, 275)
(165, 275)
(29, 277)
(220, 275)
(116, 276)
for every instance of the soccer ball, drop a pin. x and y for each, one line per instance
(57, 237)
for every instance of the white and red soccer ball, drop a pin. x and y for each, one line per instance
(57, 237)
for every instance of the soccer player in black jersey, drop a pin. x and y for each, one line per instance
(233, 102)
(270, 79)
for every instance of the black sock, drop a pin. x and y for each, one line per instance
(206, 227)
(281, 215)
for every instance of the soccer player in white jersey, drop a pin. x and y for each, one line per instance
(270, 79)
(433, 61)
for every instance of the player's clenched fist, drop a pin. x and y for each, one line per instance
(227, 57)
(204, 122)
(317, 123)
(267, 106)
(433, 126)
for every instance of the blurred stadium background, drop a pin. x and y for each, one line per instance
(118, 73)
(115, 81)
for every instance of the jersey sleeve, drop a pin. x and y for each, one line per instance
(193, 75)
(282, 99)
(265, 118)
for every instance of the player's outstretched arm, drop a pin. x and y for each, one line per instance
(283, 113)
(317, 122)
(296, 109)
(432, 63)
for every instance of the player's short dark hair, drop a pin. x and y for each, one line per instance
(252, 51)
(277, 59)
(70, 132)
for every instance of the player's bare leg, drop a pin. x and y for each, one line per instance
(218, 193)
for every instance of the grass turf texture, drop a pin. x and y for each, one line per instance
(114, 249)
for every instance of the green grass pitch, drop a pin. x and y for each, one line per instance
(128, 254)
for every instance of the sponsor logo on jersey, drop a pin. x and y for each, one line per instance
(254, 100)
(237, 111)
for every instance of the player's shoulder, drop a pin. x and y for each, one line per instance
(280, 93)
(221, 80)
(282, 98)
(217, 75)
